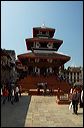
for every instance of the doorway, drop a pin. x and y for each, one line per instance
(43, 71)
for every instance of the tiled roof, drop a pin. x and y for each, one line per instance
(45, 39)
(44, 55)
(44, 28)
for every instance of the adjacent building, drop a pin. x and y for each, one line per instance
(8, 67)
(74, 75)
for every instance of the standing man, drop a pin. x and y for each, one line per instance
(75, 100)
(70, 97)
(20, 90)
(12, 96)
(82, 98)
(5, 94)
(16, 94)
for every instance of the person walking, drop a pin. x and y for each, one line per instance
(12, 96)
(78, 98)
(5, 94)
(1, 93)
(70, 97)
(75, 100)
(81, 99)
(9, 90)
(16, 94)
(20, 90)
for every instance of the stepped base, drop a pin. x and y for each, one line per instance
(30, 83)
(63, 101)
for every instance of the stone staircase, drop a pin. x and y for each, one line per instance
(53, 82)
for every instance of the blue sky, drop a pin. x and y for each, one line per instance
(19, 17)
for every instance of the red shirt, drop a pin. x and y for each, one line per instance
(5, 92)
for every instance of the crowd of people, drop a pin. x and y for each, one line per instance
(10, 93)
(76, 97)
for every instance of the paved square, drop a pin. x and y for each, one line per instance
(39, 111)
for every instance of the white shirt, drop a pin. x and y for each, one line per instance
(82, 96)
(17, 89)
(1, 92)
(71, 91)
(12, 92)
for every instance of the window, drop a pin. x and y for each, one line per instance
(37, 45)
(77, 73)
(37, 60)
(40, 32)
(74, 80)
(43, 45)
(31, 60)
(74, 74)
(50, 60)
(49, 45)
(54, 61)
(47, 33)
(71, 77)
(44, 33)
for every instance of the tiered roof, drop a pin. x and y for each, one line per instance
(43, 28)
(60, 59)
(56, 44)
(29, 41)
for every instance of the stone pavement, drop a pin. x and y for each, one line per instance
(15, 115)
(39, 111)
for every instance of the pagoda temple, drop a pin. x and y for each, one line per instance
(44, 65)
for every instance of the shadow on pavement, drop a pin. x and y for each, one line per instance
(15, 115)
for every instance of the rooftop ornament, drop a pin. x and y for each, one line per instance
(43, 26)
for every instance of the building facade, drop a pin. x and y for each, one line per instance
(21, 70)
(8, 67)
(74, 75)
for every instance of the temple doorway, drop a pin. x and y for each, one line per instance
(30, 70)
(43, 71)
